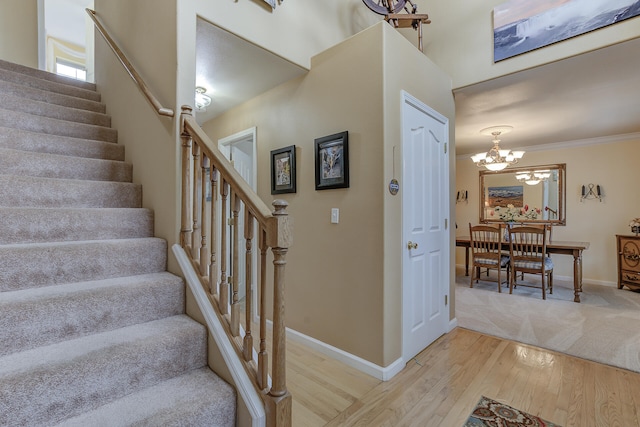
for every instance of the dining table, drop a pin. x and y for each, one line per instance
(553, 247)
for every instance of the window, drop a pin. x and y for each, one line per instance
(69, 69)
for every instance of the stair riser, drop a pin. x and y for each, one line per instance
(35, 123)
(19, 139)
(26, 191)
(83, 380)
(29, 106)
(17, 162)
(40, 317)
(37, 265)
(48, 85)
(44, 75)
(35, 225)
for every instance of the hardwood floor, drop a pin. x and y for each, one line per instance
(442, 385)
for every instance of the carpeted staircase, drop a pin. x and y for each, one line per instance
(92, 327)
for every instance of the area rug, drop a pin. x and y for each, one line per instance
(490, 413)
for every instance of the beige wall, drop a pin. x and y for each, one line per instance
(334, 271)
(146, 31)
(405, 68)
(19, 32)
(344, 280)
(610, 165)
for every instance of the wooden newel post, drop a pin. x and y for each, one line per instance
(186, 220)
(279, 404)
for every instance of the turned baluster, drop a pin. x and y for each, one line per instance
(186, 221)
(224, 285)
(197, 191)
(213, 268)
(204, 250)
(235, 306)
(263, 356)
(248, 305)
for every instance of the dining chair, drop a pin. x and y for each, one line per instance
(527, 251)
(486, 252)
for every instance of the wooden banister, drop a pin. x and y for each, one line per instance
(232, 199)
(257, 207)
(129, 68)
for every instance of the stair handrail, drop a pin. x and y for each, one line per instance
(200, 156)
(157, 106)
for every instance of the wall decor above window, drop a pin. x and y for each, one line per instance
(521, 26)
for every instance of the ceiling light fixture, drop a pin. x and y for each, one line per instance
(497, 159)
(533, 177)
(202, 100)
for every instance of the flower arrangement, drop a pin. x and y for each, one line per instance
(513, 214)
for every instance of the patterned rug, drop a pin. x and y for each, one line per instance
(490, 413)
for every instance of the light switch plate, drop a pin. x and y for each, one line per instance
(335, 215)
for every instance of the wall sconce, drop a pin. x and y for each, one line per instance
(591, 191)
(462, 196)
(202, 101)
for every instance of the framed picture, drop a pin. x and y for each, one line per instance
(283, 170)
(332, 161)
(521, 26)
(506, 195)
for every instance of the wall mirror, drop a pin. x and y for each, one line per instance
(524, 194)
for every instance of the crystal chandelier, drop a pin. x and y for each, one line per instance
(497, 159)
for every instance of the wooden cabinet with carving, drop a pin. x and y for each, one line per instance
(629, 262)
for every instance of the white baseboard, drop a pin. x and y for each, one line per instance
(453, 323)
(379, 372)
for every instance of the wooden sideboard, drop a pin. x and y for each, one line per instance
(628, 262)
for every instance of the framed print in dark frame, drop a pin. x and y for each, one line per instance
(283, 170)
(332, 161)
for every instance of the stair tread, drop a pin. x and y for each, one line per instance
(47, 125)
(54, 111)
(198, 397)
(64, 352)
(25, 140)
(47, 165)
(35, 224)
(81, 308)
(71, 377)
(29, 265)
(45, 75)
(51, 97)
(33, 191)
(66, 87)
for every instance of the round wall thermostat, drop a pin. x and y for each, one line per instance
(394, 187)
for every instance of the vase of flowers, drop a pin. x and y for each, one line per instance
(511, 214)
(635, 225)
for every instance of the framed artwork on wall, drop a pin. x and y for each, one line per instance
(283, 170)
(332, 161)
(521, 26)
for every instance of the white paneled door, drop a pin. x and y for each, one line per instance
(425, 201)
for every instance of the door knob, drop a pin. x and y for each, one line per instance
(412, 245)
